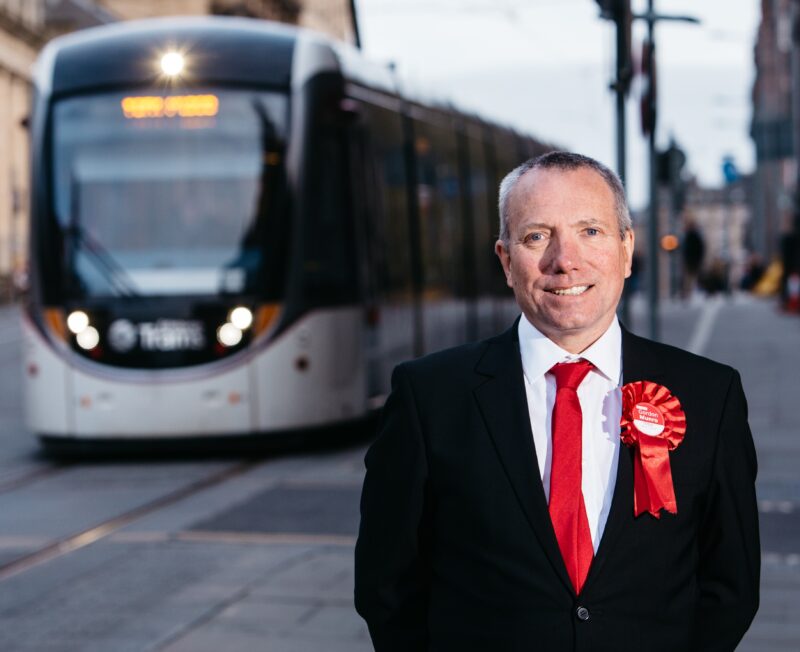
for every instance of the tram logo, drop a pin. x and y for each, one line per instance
(122, 335)
(161, 335)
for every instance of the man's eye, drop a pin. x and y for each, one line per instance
(592, 231)
(534, 237)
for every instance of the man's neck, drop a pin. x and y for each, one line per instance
(575, 343)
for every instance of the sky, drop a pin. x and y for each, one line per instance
(543, 66)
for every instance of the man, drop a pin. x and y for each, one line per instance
(693, 249)
(499, 509)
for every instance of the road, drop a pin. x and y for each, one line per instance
(249, 554)
(172, 555)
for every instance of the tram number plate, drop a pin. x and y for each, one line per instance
(161, 335)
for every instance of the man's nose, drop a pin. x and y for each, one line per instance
(563, 255)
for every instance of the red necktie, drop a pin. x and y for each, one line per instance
(567, 510)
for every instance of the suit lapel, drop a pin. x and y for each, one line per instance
(638, 363)
(504, 407)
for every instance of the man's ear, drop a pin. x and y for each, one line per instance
(628, 242)
(505, 260)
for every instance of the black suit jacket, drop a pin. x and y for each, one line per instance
(456, 550)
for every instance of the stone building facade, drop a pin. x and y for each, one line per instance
(775, 179)
(21, 37)
(723, 217)
(332, 17)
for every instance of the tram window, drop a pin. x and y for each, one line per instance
(165, 203)
(388, 228)
(506, 158)
(329, 266)
(441, 224)
(485, 264)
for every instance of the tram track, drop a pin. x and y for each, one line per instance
(65, 545)
(33, 476)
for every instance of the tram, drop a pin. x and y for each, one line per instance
(238, 228)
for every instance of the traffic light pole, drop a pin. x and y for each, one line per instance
(654, 320)
(619, 11)
(354, 23)
(652, 241)
(625, 304)
(620, 88)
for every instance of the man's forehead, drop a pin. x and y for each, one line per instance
(566, 187)
(577, 178)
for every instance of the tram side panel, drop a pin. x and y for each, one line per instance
(315, 370)
(314, 373)
(46, 385)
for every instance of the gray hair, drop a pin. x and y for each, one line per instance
(563, 161)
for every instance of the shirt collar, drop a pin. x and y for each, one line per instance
(539, 353)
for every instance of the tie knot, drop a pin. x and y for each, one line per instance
(569, 375)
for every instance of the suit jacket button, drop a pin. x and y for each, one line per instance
(582, 613)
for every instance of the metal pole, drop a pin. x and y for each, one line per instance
(354, 20)
(620, 88)
(652, 249)
(621, 135)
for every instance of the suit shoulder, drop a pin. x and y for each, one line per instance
(683, 361)
(447, 363)
(456, 358)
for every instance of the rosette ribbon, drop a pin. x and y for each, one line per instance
(645, 403)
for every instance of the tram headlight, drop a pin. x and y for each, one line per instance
(241, 317)
(229, 335)
(77, 321)
(172, 63)
(88, 338)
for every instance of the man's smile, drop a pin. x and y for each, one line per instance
(572, 291)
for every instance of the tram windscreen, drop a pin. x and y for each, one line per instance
(169, 193)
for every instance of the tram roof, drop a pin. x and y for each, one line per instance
(247, 51)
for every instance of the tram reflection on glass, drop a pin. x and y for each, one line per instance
(238, 228)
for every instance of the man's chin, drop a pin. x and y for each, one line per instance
(572, 331)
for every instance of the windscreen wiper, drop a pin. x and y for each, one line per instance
(80, 240)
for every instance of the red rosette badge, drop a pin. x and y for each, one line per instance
(653, 423)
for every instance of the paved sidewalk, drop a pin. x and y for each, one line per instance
(223, 571)
(765, 346)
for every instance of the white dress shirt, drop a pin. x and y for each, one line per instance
(601, 407)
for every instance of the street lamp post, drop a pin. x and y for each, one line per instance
(651, 17)
(619, 11)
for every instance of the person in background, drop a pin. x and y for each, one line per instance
(693, 250)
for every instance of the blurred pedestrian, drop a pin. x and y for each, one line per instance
(753, 272)
(693, 250)
(520, 497)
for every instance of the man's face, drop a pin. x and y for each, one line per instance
(565, 259)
